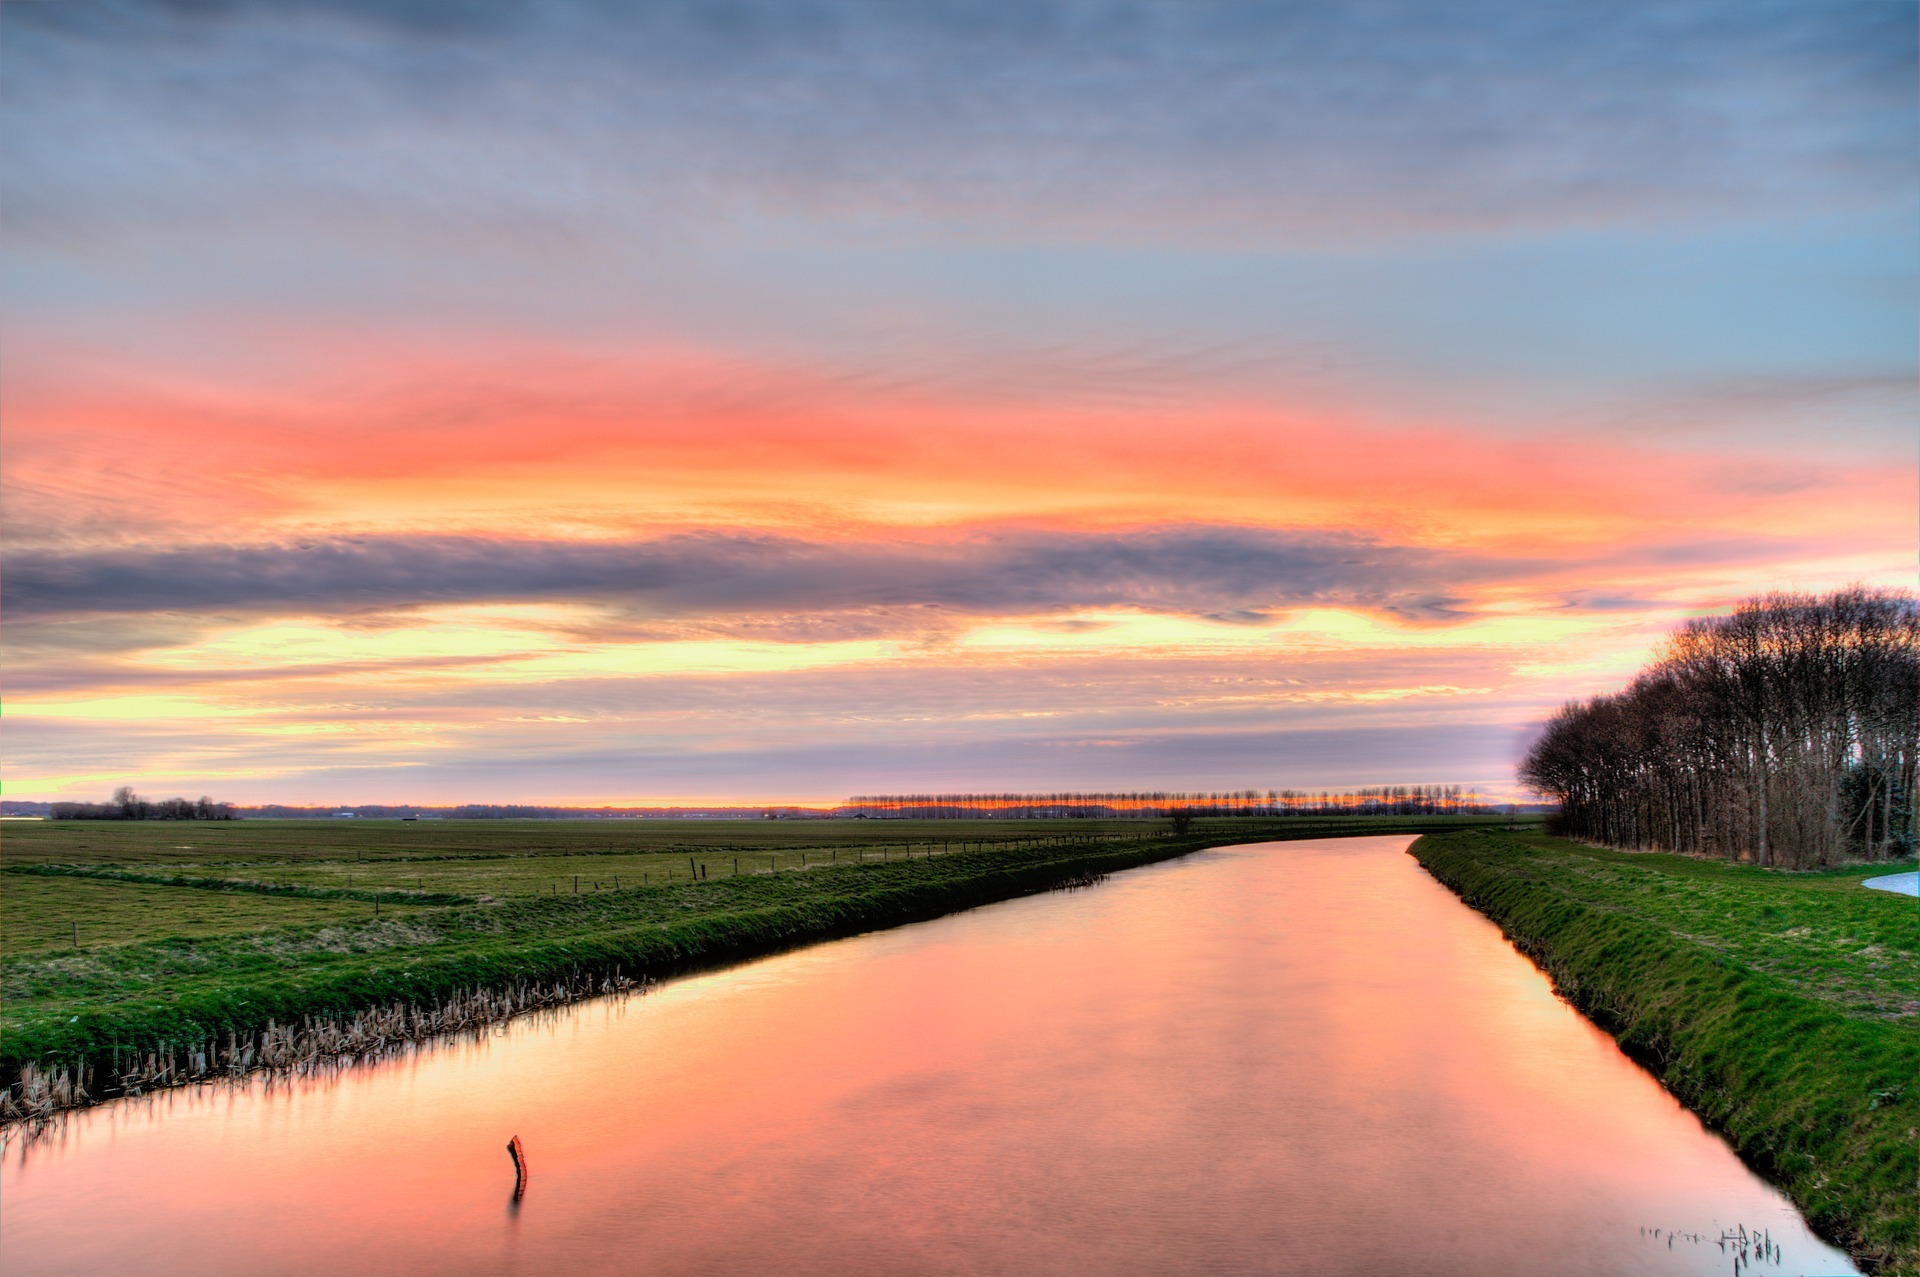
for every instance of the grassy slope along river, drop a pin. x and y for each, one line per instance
(1781, 1008)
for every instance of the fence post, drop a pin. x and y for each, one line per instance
(519, 1166)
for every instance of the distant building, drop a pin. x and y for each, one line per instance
(346, 815)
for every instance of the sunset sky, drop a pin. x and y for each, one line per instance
(703, 402)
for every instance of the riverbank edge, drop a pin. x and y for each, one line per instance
(1793, 1084)
(98, 1044)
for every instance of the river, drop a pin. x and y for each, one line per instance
(1302, 1058)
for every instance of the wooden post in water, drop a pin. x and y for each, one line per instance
(519, 1156)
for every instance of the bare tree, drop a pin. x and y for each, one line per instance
(1784, 733)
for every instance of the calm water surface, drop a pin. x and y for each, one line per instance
(1294, 1058)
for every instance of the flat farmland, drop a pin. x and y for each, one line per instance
(251, 842)
(38, 914)
(124, 882)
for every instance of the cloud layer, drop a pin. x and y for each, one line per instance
(575, 117)
(1222, 572)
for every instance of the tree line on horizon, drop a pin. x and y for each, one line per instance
(410, 811)
(1784, 732)
(1392, 800)
(127, 805)
(136, 808)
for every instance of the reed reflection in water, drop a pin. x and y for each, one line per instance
(1293, 1058)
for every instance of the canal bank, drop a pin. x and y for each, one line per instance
(1780, 1008)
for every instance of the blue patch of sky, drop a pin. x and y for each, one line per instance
(1575, 203)
(1524, 329)
(1173, 120)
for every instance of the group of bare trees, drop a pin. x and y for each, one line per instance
(127, 805)
(1785, 733)
(1401, 800)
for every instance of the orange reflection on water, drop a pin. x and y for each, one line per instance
(1299, 1058)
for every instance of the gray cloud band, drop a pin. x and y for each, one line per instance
(1225, 572)
(1252, 116)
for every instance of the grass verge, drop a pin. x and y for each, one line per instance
(1779, 1007)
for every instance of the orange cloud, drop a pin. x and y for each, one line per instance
(512, 435)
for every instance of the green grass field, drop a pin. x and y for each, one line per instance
(1784, 1008)
(286, 842)
(1818, 933)
(38, 914)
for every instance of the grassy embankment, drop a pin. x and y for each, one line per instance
(190, 933)
(1782, 1008)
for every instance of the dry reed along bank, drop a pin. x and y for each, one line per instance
(85, 1022)
(1782, 1008)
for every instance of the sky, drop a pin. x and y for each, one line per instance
(726, 401)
